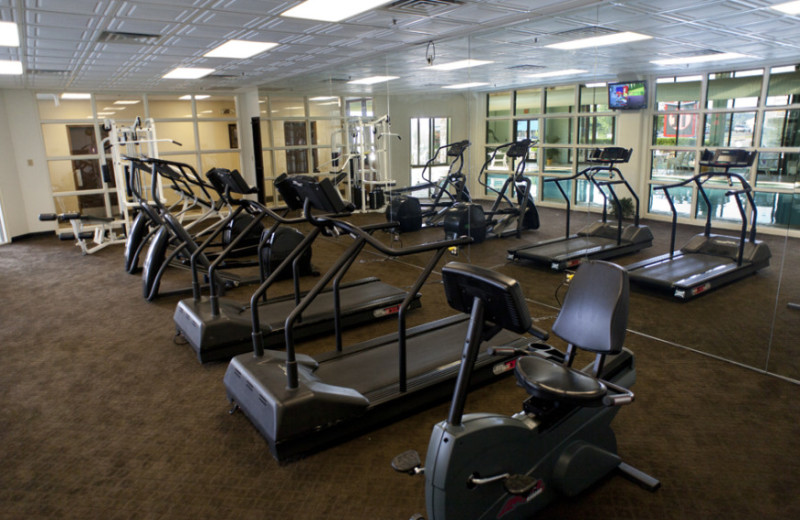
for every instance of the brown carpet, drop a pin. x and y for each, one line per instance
(103, 416)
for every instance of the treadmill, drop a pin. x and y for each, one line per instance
(599, 240)
(302, 404)
(708, 261)
(218, 328)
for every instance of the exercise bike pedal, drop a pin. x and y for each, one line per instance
(408, 462)
(520, 484)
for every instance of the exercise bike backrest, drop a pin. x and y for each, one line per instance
(594, 315)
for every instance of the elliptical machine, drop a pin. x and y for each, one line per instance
(492, 466)
(506, 216)
(413, 213)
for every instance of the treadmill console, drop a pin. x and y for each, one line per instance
(727, 158)
(322, 194)
(230, 179)
(610, 154)
(519, 148)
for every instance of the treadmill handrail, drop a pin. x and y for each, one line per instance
(362, 238)
(699, 180)
(326, 221)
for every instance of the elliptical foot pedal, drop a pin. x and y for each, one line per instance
(407, 462)
(640, 477)
(520, 484)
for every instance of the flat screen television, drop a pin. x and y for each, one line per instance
(627, 95)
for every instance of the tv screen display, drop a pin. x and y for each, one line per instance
(630, 95)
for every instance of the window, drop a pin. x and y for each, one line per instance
(740, 110)
(427, 135)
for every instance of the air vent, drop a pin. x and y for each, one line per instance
(585, 32)
(128, 37)
(526, 68)
(424, 7)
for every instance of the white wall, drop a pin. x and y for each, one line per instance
(24, 179)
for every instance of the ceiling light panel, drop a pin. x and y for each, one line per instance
(554, 73)
(187, 73)
(239, 49)
(473, 84)
(787, 7)
(10, 68)
(461, 64)
(328, 11)
(372, 80)
(9, 34)
(600, 41)
(686, 60)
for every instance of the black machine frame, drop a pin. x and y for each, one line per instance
(599, 240)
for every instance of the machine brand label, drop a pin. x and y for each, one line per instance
(573, 263)
(701, 288)
(517, 500)
(501, 368)
(379, 313)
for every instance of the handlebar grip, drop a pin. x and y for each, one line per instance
(47, 216)
(503, 351)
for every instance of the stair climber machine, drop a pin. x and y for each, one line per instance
(219, 328)
(485, 465)
(414, 213)
(506, 217)
(708, 261)
(301, 404)
(173, 246)
(601, 239)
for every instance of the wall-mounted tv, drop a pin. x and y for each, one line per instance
(628, 95)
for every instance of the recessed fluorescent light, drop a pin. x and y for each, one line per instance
(75, 95)
(783, 70)
(206, 111)
(600, 41)
(106, 113)
(565, 72)
(323, 98)
(461, 64)
(327, 11)
(9, 35)
(787, 7)
(126, 101)
(466, 85)
(595, 85)
(372, 80)
(329, 103)
(187, 73)
(10, 67)
(702, 58)
(188, 97)
(239, 49)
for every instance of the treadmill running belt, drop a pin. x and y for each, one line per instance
(354, 298)
(563, 249)
(376, 368)
(684, 270)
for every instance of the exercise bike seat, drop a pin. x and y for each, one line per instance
(594, 318)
